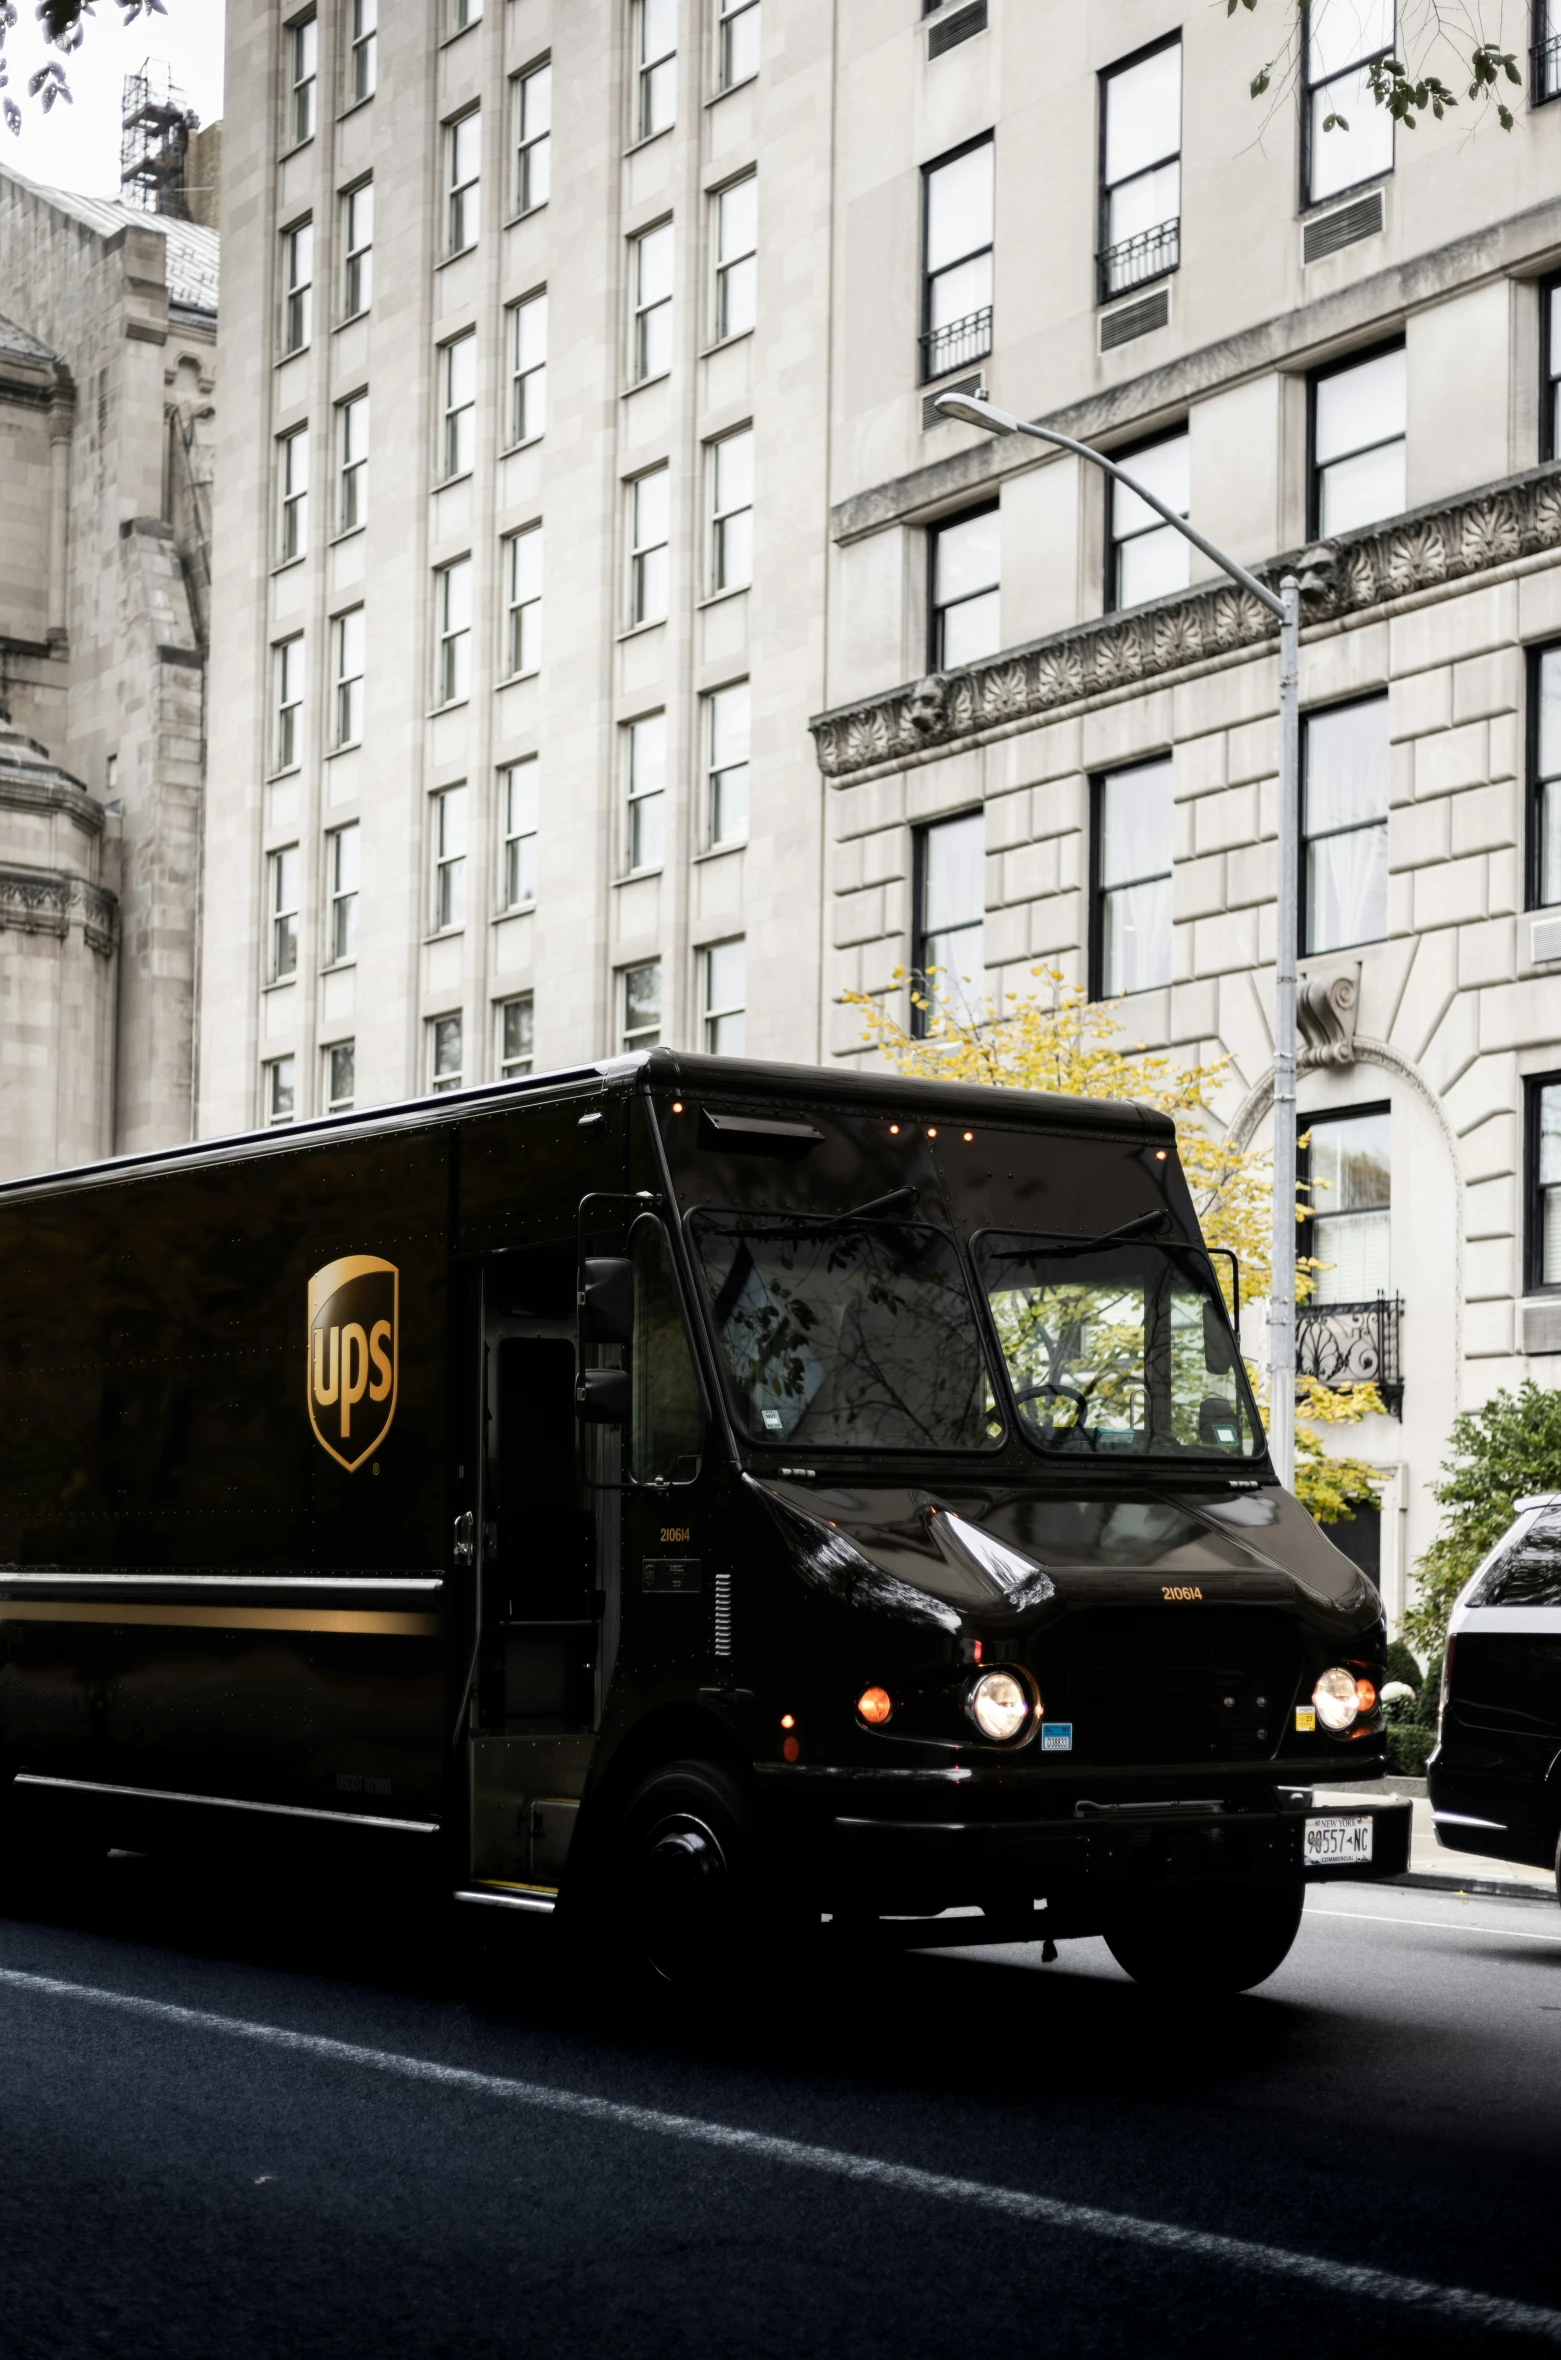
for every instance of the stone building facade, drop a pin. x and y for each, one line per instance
(107, 383)
(516, 710)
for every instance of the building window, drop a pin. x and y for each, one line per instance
(517, 1031)
(449, 859)
(293, 486)
(519, 791)
(947, 960)
(1347, 1162)
(282, 909)
(464, 13)
(341, 895)
(1545, 56)
(641, 1005)
(453, 594)
(652, 355)
(1358, 428)
(523, 601)
(340, 1076)
(1346, 136)
(1544, 1191)
(731, 511)
(956, 301)
(965, 600)
(347, 632)
(533, 138)
(298, 285)
(302, 53)
(656, 67)
(1544, 769)
(458, 406)
(357, 238)
(1130, 945)
(1550, 363)
(737, 38)
(277, 1089)
(528, 369)
(727, 723)
(648, 520)
(726, 998)
(288, 662)
(647, 796)
(1147, 558)
(352, 482)
(363, 51)
(736, 258)
(1344, 825)
(463, 151)
(444, 1054)
(1141, 170)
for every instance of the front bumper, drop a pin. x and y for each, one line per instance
(1084, 1866)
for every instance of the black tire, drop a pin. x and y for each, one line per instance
(687, 1896)
(1207, 1942)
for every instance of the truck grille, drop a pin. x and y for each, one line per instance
(1171, 1684)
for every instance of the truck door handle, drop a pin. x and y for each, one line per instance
(465, 1545)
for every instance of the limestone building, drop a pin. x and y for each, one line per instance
(578, 459)
(107, 376)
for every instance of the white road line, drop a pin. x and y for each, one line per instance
(1462, 2305)
(1368, 1917)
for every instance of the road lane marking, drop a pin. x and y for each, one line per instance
(1463, 2305)
(1371, 1917)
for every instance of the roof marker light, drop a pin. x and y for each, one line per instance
(969, 1135)
(788, 1720)
(677, 1105)
(894, 1130)
(931, 1131)
(1159, 1155)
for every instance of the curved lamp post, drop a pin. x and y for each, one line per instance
(1287, 606)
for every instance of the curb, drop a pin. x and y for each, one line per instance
(1478, 1888)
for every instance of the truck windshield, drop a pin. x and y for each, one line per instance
(1121, 1350)
(857, 1335)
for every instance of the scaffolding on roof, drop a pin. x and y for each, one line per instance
(154, 148)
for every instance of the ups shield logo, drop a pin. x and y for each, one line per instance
(354, 1345)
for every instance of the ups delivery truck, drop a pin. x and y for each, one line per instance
(687, 1495)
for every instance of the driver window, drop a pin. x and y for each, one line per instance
(667, 1433)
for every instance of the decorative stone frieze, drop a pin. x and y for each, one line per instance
(40, 901)
(1450, 542)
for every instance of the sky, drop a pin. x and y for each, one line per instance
(77, 146)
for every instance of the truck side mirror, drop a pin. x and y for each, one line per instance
(606, 1299)
(604, 1397)
(1218, 1358)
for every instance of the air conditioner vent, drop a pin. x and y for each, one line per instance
(1332, 231)
(957, 25)
(1135, 319)
(930, 413)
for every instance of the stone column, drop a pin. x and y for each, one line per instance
(62, 419)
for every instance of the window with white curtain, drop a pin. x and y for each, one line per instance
(1131, 948)
(1344, 825)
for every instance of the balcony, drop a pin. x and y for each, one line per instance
(1544, 71)
(1135, 261)
(1352, 1344)
(957, 344)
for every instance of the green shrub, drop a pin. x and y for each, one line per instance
(1430, 1694)
(1494, 1455)
(1402, 1665)
(1409, 1742)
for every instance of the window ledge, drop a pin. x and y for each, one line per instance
(350, 533)
(296, 149)
(522, 909)
(513, 679)
(447, 482)
(445, 934)
(456, 705)
(651, 138)
(283, 358)
(640, 383)
(280, 983)
(746, 83)
(510, 449)
(635, 629)
(1372, 180)
(460, 33)
(338, 967)
(293, 770)
(725, 343)
(638, 876)
(352, 318)
(720, 597)
(511, 220)
(351, 746)
(720, 851)
(286, 565)
(459, 255)
(357, 106)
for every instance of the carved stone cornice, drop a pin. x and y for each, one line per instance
(40, 901)
(1448, 542)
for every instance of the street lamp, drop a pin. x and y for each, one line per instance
(1287, 606)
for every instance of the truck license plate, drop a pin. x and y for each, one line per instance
(1337, 1841)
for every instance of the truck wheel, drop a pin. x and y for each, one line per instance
(1207, 1942)
(687, 1852)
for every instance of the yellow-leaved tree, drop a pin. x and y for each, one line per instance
(1059, 1039)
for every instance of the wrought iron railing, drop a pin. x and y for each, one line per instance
(961, 341)
(1544, 71)
(1134, 261)
(1352, 1344)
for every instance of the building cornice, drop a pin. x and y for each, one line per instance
(40, 901)
(1450, 541)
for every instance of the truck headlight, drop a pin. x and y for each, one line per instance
(1000, 1706)
(1336, 1698)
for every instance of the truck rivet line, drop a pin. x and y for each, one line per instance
(1463, 2306)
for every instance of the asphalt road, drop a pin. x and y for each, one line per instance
(254, 2127)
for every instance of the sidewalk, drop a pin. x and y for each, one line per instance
(1433, 1866)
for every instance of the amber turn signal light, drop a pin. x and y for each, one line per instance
(1366, 1695)
(874, 1707)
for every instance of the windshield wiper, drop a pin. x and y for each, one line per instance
(1108, 1237)
(877, 1204)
